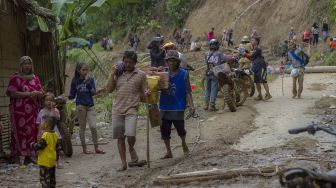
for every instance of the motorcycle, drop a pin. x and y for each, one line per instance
(302, 177)
(242, 85)
(65, 127)
(226, 85)
(245, 74)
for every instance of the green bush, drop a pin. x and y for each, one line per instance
(76, 55)
(330, 58)
(104, 103)
(178, 10)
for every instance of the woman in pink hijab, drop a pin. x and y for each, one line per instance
(24, 90)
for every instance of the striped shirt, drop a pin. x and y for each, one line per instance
(129, 88)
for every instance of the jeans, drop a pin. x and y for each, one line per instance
(211, 89)
(86, 114)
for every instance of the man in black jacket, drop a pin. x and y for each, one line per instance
(157, 53)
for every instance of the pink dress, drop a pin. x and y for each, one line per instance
(23, 115)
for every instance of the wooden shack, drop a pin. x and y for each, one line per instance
(16, 41)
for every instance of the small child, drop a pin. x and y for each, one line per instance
(332, 44)
(48, 146)
(50, 111)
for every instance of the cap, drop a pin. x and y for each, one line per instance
(172, 54)
(169, 45)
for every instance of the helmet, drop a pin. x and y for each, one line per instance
(213, 44)
(245, 39)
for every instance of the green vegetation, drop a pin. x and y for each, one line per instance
(120, 20)
(333, 10)
(178, 10)
(198, 93)
(328, 58)
(104, 103)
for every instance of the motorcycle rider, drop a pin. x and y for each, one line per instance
(212, 59)
(245, 46)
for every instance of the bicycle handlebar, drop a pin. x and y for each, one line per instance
(312, 129)
(302, 129)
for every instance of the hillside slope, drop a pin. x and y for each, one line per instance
(271, 18)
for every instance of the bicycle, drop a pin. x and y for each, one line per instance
(302, 177)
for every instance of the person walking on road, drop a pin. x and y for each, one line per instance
(174, 101)
(297, 72)
(157, 53)
(130, 84)
(259, 67)
(83, 88)
(212, 59)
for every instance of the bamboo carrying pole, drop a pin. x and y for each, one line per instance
(147, 108)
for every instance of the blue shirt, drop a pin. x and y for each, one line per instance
(174, 98)
(83, 91)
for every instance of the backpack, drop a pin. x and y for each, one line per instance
(305, 58)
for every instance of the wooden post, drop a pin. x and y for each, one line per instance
(148, 156)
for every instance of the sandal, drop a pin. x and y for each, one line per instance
(134, 156)
(98, 151)
(120, 169)
(87, 152)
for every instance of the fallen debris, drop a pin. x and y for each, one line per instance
(215, 174)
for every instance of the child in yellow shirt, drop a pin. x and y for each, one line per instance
(49, 148)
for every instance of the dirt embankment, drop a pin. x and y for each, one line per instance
(271, 18)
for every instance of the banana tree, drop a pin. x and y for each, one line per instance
(72, 14)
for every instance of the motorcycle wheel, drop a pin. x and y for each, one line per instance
(249, 84)
(66, 144)
(229, 98)
(240, 92)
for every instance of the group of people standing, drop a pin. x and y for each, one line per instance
(312, 35)
(34, 125)
(252, 54)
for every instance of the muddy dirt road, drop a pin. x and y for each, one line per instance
(254, 136)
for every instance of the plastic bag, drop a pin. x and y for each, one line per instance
(294, 73)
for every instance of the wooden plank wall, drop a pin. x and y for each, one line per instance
(12, 47)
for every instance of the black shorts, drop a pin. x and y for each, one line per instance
(166, 128)
(260, 75)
